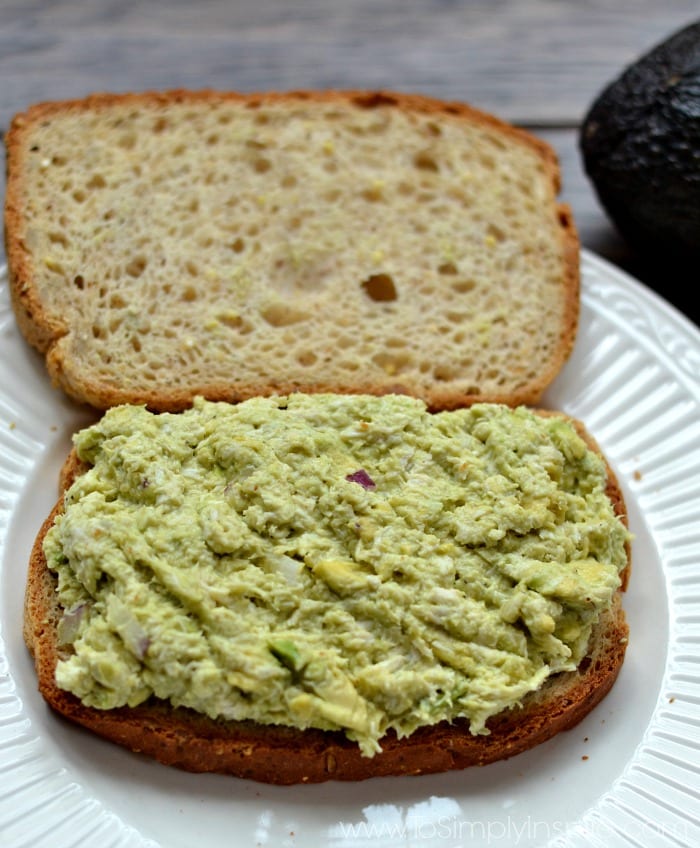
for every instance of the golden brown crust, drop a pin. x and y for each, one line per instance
(45, 330)
(275, 754)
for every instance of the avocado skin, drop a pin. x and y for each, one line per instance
(640, 143)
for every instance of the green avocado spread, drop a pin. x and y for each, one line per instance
(338, 562)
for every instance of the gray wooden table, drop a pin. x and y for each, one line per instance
(536, 63)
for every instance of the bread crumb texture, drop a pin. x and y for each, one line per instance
(259, 243)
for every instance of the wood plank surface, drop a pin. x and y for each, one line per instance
(536, 63)
(532, 61)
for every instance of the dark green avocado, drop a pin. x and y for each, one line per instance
(640, 144)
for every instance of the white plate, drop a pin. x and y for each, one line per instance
(627, 776)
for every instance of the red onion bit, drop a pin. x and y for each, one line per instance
(142, 646)
(69, 625)
(361, 477)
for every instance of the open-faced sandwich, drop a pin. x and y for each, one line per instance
(317, 533)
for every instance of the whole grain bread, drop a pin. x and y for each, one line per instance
(167, 245)
(284, 755)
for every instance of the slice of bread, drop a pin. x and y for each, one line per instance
(285, 755)
(167, 245)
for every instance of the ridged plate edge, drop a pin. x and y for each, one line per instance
(637, 389)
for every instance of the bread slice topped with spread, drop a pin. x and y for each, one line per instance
(163, 246)
(323, 586)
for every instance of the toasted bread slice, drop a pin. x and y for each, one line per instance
(285, 755)
(167, 245)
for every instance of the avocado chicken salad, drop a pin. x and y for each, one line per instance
(329, 561)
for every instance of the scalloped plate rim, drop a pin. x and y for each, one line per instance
(416, 811)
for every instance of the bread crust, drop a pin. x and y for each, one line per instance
(284, 755)
(46, 330)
